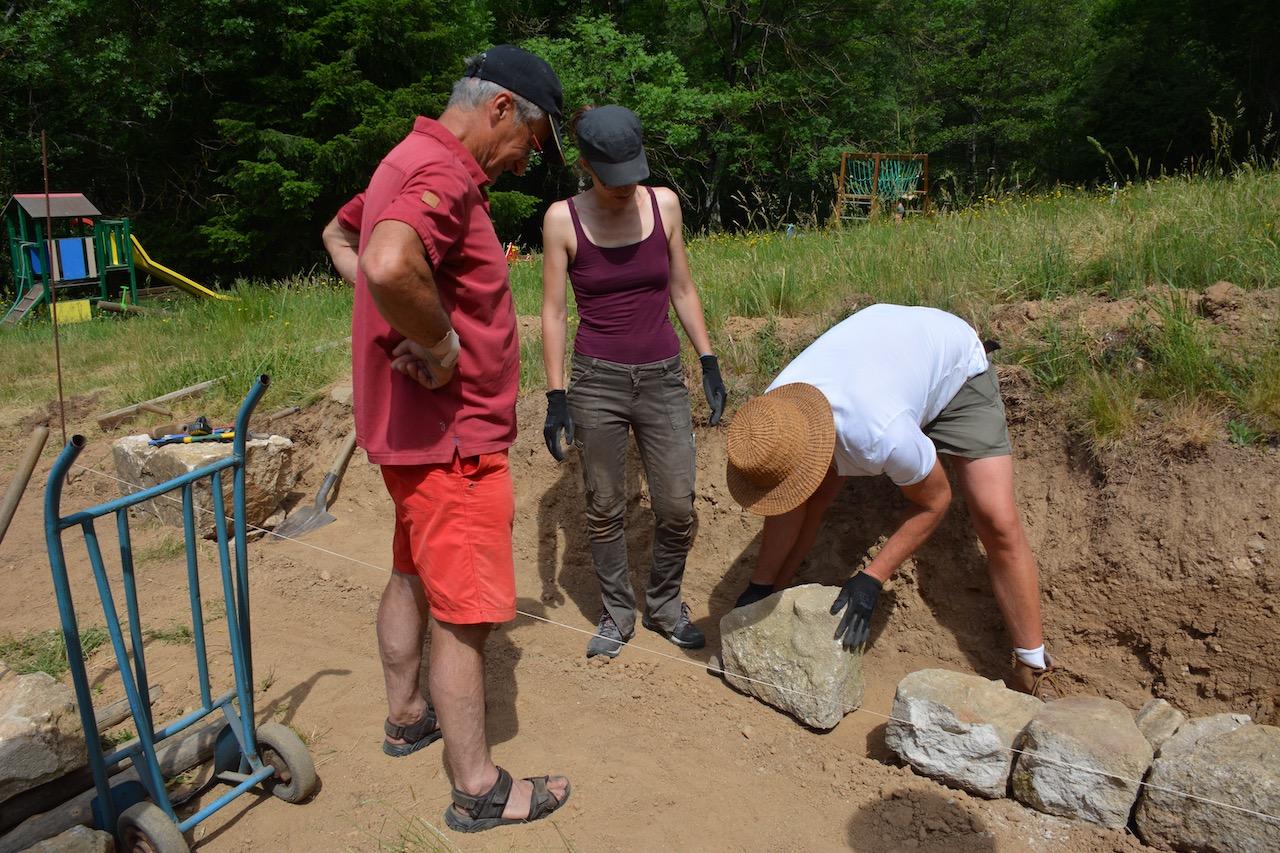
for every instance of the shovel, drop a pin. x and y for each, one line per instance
(309, 518)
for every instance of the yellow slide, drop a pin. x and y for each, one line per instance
(143, 261)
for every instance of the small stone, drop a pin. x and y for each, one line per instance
(1083, 757)
(341, 393)
(1157, 721)
(1257, 545)
(325, 575)
(747, 732)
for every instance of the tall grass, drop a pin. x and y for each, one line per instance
(286, 330)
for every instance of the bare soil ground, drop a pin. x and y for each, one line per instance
(1160, 578)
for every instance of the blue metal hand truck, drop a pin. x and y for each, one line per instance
(247, 755)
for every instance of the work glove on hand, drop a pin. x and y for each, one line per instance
(713, 387)
(859, 595)
(557, 419)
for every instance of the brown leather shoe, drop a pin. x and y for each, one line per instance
(1039, 683)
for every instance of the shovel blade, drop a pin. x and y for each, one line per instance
(303, 521)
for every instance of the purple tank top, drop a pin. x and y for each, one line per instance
(623, 294)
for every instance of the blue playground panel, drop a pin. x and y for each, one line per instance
(73, 260)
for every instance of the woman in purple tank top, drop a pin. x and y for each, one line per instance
(621, 245)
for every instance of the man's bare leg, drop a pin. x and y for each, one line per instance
(402, 616)
(987, 486)
(457, 690)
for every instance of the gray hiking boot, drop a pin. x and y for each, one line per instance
(608, 640)
(685, 634)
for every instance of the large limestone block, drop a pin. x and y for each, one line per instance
(788, 640)
(959, 728)
(1158, 720)
(77, 839)
(40, 733)
(1082, 732)
(269, 475)
(1238, 766)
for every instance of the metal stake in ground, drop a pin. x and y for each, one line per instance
(53, 287)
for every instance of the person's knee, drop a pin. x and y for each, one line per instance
(674, 514)
(606, 511)
(1000, 532)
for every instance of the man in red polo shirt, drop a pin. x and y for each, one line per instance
(435, 374)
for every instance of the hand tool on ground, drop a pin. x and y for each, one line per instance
(181, 438)
(309, 518)
(200, 426)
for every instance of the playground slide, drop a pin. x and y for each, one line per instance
(143, 262)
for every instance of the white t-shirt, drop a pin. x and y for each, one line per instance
(887, 371)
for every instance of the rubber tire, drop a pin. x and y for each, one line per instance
(295, 778)
(145, 828)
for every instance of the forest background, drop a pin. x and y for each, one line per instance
(232, 130)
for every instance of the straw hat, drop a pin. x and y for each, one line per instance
(780, 446)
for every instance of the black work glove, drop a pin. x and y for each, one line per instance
(557, 419)
(859, 594)
(713, 387)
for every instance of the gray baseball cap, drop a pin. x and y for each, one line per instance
(612, 143)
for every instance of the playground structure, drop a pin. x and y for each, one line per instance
(78, 251)
(868, 181)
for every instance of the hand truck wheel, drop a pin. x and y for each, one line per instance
(145, 828)
(295, 778)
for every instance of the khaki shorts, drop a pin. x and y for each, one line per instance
(972, 425)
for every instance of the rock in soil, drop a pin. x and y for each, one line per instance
(40, 733)
(959, 728)
(1086, 732)
(1190, 734)
(77, 839)
(1157, 721)
(269, 475)
(1239, 766)
(788, 642)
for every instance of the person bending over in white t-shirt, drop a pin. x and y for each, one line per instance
(885, 392)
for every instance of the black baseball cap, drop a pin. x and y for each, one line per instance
(611, 142)
(530, 77)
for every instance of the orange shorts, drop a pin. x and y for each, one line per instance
(453, 530)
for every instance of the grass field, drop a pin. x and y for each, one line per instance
(1145, 241)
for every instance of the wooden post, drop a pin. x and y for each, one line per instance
(875, 186)
(118, 416)
(21, 476)
(925, 206)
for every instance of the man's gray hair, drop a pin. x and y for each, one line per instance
(470, 93)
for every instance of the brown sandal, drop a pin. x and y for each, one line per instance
(475, 814)
(415, 735)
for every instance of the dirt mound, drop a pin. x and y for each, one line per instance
(1158, 581)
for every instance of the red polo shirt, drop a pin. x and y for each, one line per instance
(432, 183)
